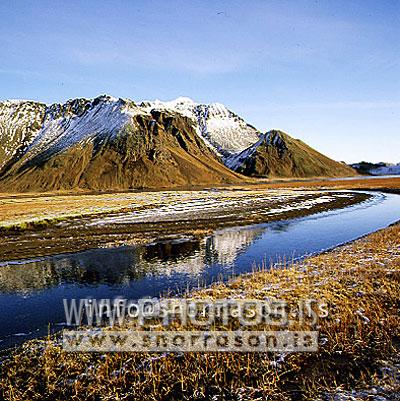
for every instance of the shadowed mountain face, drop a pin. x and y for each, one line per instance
(114, 144)
(224, 132)
(19, 124)
(277, 154)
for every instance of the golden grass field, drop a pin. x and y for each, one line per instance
(17, 209)
(356, 183)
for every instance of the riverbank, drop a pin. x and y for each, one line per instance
(385, 184)
(359, 342)
(33, 227)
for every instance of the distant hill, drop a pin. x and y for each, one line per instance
(108, 143)
(376, 168)
(276, 154)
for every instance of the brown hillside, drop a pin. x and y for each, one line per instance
(279, 155)
(159, 150)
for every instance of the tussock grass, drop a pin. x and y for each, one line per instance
(19, 208)
(361, 284)
(33, 224)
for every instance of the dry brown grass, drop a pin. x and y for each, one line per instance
(364, 183)
(360, 282)
(17, 209)
(22, 209)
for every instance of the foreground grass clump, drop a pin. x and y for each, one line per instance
(360, 283)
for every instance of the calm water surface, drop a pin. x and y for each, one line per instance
(32, 292)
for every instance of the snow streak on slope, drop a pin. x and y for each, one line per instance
(222, 130)
(34, 128)
(20, 122)
(236, 160)
(386, 170)
(79, 121)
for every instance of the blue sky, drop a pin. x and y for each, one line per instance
(327, 72)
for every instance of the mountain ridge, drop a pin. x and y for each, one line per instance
(381, 168)
(115, 143)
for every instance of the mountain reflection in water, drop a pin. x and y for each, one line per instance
(32, 292)
(120, 266)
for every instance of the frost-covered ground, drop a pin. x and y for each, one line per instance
(185, 206)
(159, 206)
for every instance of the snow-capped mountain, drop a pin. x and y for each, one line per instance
(58, 126)
(114, 143)
(377, 168)
(103, 143)
(388, 169)
(80, 121)
(221, 129)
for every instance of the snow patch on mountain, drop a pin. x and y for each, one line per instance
(229, 133)
(270, 138)
(182, 105)
(20, 122)
(389, 169)
(53, 128)
(222, 130)
(236, 160)
(79, 121)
